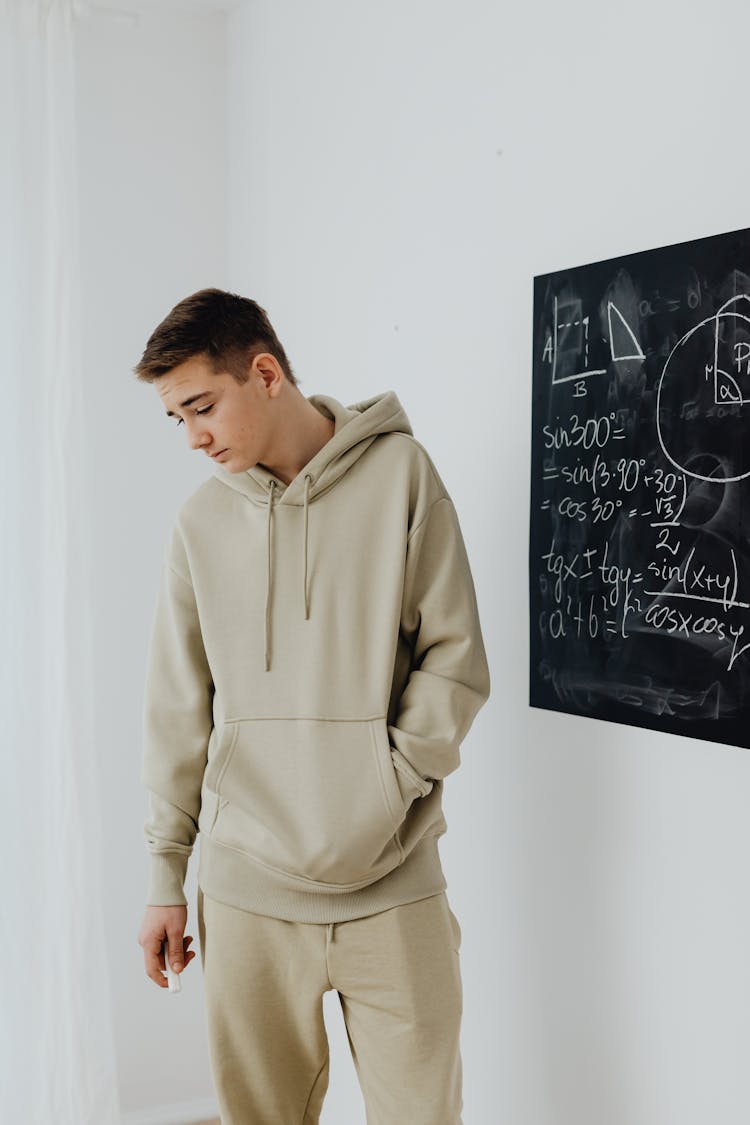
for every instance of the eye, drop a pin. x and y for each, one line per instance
(204, 411)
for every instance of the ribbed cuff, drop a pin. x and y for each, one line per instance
(168, 870)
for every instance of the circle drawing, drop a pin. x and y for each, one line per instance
(703, 397)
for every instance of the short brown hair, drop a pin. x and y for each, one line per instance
(226, 329)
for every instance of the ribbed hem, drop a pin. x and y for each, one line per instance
(233, 878)
(167, 878)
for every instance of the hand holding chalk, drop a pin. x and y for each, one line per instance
(162, 927)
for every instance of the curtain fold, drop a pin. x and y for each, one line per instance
(57, 1056)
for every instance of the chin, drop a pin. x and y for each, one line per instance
(235, 464)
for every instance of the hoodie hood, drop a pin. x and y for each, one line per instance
(356, 428)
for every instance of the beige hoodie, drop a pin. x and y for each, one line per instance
(315, 662)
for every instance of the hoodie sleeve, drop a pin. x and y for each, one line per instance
(177, 723)
(449, 681)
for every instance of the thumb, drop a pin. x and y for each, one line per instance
(175, 950)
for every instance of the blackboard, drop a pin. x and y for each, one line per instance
(639, 565)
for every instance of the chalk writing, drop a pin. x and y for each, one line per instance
(639, 563)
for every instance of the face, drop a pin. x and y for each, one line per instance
(229, 420)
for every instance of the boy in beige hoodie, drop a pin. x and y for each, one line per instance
(315, 662)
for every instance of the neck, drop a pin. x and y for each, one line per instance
(306, 430)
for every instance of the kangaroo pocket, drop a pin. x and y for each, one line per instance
(315, 798)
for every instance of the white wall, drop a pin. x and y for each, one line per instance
(396, 175)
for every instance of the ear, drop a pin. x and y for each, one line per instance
(269, 370)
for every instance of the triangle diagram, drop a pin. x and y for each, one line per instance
(622, 341)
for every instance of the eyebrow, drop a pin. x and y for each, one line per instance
(188, 401)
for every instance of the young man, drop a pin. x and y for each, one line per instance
(315, 662)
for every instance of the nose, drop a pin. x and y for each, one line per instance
(197, 437)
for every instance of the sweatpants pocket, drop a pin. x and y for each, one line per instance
(317, 799)
(456, 926)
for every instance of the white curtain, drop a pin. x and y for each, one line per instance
(57, 1059)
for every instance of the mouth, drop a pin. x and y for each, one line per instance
(213, 456)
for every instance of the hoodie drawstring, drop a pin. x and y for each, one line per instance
(272, 485)
(269, 511)
(308, 480)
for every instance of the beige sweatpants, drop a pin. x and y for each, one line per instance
(398, 978)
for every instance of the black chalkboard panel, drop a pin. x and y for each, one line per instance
(639, 564)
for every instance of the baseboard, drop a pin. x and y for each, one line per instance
(179, 1113)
